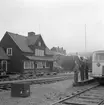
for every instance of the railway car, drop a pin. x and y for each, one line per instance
(98, 66)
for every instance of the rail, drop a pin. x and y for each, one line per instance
(70, 97)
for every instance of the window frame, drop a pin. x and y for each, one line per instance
(9, 51)
(39, 67)
(39, 43)
(97, 56)
(30, 65)
(39, 52)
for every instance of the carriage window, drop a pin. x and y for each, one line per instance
(99, 56)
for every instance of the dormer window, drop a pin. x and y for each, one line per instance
(39, 44)
(9, 51)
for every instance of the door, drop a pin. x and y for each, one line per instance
(4, 65)
(102, 70)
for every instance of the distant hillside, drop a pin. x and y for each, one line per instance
(86, 54)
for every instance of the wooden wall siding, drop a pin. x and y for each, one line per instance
(15, 60)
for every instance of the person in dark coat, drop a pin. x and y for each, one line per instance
(86, 69)
(82, 67)
(76, 71)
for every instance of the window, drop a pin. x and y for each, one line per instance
(28, 65)
(36, 52)
(42, 65)
(39, 52)
(42, 52)
(9, 51)
(39, 64)
(39, 44)
(99, 56)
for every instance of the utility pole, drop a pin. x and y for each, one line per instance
(85, 38)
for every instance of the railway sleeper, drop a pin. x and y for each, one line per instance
(85, 100)
(81, 102)
(95, 94)
(89, 100)
(90, 97)
(72, 103)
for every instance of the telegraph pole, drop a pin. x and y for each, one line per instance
(85, 38)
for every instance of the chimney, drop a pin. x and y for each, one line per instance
(31, 34)
(30, 38)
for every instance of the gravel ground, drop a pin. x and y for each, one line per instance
(41, 94)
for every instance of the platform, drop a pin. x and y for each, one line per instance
(84, 82)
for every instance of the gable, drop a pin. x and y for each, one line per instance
(40, 40)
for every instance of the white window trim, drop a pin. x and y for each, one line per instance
(43, 53)
(39, 52)
(30, 65)
(8, 51)
(39, 66)
(43, 64)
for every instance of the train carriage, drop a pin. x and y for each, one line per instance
(98, 66)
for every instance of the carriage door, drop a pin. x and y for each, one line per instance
(102, 70)
(4, 65)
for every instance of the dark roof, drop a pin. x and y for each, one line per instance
(3, 54)
(33, 39)
(22, 42)
(41, 58)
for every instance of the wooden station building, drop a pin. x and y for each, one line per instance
(27, 53)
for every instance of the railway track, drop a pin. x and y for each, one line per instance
(91, 96)
(6, 85)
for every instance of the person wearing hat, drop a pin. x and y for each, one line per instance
(86, 69)
(82, 67)
(76, 71)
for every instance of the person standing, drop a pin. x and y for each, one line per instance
(82, 67)
(86, 69)
(76, 71)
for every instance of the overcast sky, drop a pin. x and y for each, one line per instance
(60, 22)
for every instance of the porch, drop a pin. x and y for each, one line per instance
(38, 65)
